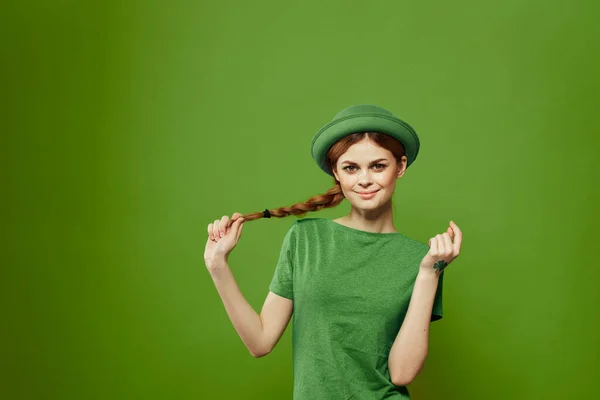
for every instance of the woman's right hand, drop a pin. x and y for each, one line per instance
(223, 236)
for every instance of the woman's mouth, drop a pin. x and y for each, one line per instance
(368, 195)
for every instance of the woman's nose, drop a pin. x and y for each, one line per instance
(364, 177)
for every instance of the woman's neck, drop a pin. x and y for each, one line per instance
(379, 225)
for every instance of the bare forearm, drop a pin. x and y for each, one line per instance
(408, 353)
(245, 320)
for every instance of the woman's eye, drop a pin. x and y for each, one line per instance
(379, 166)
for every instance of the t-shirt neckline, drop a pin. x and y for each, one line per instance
(361, 232)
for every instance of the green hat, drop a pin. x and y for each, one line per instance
(363, 118)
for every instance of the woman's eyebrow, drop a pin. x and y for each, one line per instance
(352, 162)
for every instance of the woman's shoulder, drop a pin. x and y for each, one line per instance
(310, 223)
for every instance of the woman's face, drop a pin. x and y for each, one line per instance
(366, 167)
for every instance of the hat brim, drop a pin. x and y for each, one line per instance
(337, 129)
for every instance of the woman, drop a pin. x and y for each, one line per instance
(362, 293)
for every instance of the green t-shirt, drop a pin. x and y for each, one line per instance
(351, 291)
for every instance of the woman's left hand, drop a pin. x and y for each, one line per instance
(443, 249)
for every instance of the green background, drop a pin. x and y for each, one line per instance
(127, 127)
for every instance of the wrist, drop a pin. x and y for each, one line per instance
(216, 262)
(429, 273)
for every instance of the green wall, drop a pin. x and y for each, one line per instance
(128, 127)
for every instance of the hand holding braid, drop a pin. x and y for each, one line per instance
(223, 236)
(443, 249)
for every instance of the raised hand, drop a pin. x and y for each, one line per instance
(223, 236)
(443, 249)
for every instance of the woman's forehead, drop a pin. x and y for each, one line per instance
(365, 152)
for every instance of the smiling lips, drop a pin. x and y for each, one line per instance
(368, 195)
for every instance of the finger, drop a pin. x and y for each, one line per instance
(210, 231)
(233, 227)
(216, 235)
(440, 245)
(224, 225)
(433, 246)
(236, 215)
(448, 245)
(457, 238)
(239, 227)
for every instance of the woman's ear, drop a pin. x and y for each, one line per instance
(401, 166)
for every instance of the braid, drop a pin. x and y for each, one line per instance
(330, 198)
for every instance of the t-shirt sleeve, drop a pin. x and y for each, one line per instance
(283, 282)
(437, 312)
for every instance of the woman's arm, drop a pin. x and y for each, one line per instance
(408, 353)
(260, 333)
